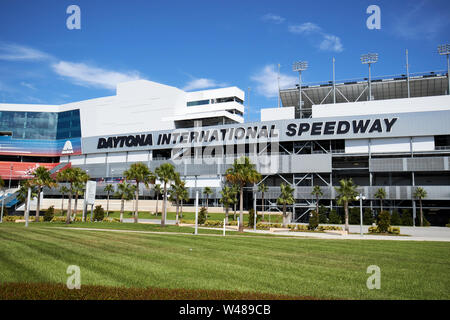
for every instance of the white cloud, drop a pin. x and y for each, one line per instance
(331, 43)
(324, 41)
(86, 75)
(306, 28)
(268, 83)
(273, 18)
(14, 52)
(202, 83)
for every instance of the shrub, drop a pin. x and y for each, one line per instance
(99, 213)
(187, 221)
(395, 218)
(251, 218)
(448, 225)
(368, 216)
(202, 215)
(63, 219)
(384, 221)
(323, 214)
(313, 220)
(49, 214)
(323, 228)
(213, 223)
(391, 230)
(262, 226)
(353, 217)
(334, 217)
(109, 219)
(406, 219)
(394, 230)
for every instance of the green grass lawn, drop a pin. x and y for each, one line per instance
(272, 265)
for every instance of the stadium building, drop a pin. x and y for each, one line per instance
(397, 140)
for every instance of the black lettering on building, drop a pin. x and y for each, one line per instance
(360, 126)
(376, 126)
(343, 127)
(316, 128)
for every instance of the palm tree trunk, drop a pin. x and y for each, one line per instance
(421, 213)
(76, 205)
(317, 204)
(121, 209)
(176, 220)
(62, 205)
(381, 205)
(234, 218)
(36, 219)
(69, 209)
(181, 209)
(157, 202)
(107, 204)
(347, 228)
(163, 213)
(226, 215)
(241, 210)
(284, 215)
(137, 203)
(262, 205)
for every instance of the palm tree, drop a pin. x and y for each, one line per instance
(108, 189)
(157, 192)
(380, 194)
(165, 173)
(347, 193)
(79, 191)
(236, 191)
(41, 179)
(286, 197)
(139, 172)
(184, 197)
(420, 193)
(241, 173)
(124, 192)
(177, 191)
(63, 191)
(263, 189)
(71, 176)
(22, 195)
(207, 191)
(317, 192)
(228, 198)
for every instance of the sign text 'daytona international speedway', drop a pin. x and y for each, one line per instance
(235, 134)
(355, 127)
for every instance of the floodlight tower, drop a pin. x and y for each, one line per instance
(369, 59)
(445, 50)
(300, 66)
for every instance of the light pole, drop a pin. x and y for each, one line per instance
(300, 66)
(360, 197)
(445, 50)
(369, 59)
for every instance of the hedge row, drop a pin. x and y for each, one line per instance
(391, 230)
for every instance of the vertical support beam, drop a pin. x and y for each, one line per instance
(407, 74)
(334, 82)
(370, 86)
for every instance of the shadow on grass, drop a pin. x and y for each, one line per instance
(50, 291)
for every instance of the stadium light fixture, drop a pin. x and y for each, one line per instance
(300, 66)
(444, 49)
(369, 58)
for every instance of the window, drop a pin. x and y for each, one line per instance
(197, 103)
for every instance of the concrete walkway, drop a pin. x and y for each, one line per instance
(411, 233)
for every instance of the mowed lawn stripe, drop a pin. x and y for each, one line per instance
(300, 267)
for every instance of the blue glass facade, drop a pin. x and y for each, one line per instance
(41, 125)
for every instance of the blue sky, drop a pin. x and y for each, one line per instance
(198, 45)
